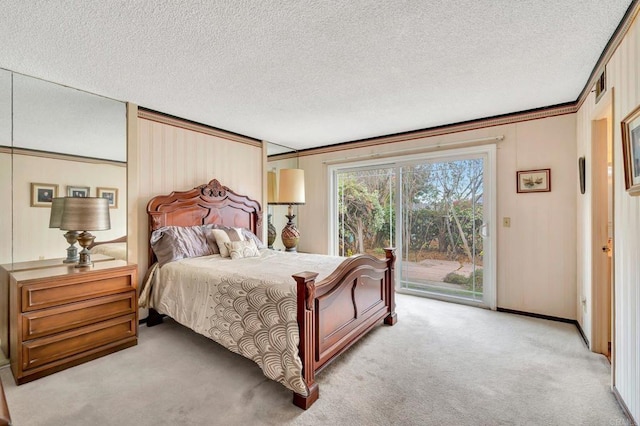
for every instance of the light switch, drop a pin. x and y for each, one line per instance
(506, 222)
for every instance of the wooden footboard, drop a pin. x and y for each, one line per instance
(337, 311)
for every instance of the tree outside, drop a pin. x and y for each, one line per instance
(441, 215)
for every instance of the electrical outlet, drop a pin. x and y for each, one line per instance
(506, 222)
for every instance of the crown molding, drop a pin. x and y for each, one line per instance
(482, 123)
(170, 120)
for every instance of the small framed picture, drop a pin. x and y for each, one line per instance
(110, 194)
(42, 194)
(534, 180)
(631, 151)
(78, 191)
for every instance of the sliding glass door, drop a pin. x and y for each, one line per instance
(442, 221)
(437, 210)
(366, 206)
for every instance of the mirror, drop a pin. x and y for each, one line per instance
(5, 165)
(275, 149)
(66, 141)
(278, 159)
(58, 119)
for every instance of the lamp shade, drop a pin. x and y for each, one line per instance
(272, 190)
(85, 214)
(57, 207)
(291, 187)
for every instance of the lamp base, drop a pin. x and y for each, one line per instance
(72, 255)
(85, 259)
(271, 233)
(72, 250)
(85, 240)
(290, 235)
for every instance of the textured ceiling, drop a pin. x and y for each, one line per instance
(310, 73)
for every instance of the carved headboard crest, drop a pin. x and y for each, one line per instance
(213, 189)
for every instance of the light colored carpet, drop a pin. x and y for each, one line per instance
(441, 364)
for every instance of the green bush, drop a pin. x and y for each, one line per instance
(453, 278)
(478, 276)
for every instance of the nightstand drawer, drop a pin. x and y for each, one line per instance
(55, 320)
(45, 295)
(42, 351)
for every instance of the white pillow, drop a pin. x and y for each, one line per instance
(223, 236)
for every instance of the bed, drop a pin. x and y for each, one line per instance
(115, 248)
(309, 317)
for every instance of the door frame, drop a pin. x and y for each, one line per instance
(602, 290)
(488, 152)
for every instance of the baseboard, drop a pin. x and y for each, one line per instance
(584, 336)
(531, 314)
(624, 407)
(550, 318)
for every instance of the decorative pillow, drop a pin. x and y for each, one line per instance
(225, 235)
(171, 243)
(211, 240)
(242, 249)
(248, 235)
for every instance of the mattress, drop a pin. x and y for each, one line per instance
(247, 305)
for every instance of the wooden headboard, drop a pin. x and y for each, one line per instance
(212, 203)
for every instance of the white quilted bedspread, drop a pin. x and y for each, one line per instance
(246, 305)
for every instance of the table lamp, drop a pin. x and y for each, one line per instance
(84, 214)
(291, 192)
(57, 207)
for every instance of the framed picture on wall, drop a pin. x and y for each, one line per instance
(42, 194)
(631, 151)
(110, 194)
(78, 191)
(534, 180)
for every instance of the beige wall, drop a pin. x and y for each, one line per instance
(536, 257)
(622, 76)
(31, 223)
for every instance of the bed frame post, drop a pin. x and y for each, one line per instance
(306, 289)
(154, 318)
(392, 318)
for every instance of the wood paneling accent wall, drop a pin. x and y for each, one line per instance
(167, 154)
(623, 70)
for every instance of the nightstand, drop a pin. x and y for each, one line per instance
(62, 316)
(5, 270)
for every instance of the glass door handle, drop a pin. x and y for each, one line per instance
(484, 230)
